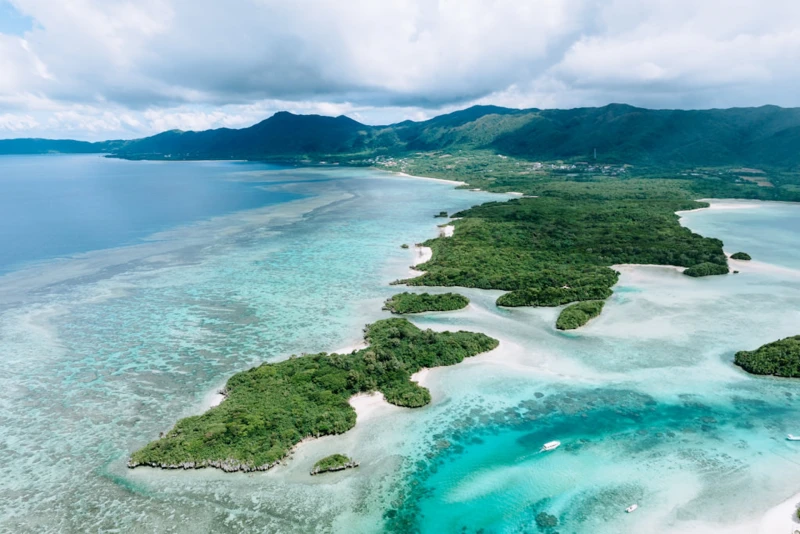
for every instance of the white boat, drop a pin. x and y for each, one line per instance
(791, 437)
(631, 508)
(550, 445)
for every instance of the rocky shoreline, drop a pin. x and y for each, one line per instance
(229, 466)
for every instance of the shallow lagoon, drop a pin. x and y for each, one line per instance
(645, 399)
(105, 350)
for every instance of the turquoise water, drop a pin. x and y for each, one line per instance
(645, 399)
(104, 350)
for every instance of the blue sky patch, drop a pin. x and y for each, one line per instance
(12, 22)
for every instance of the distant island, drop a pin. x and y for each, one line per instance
(404, 303)
(779, 358)
(742, 256)
(271, 408)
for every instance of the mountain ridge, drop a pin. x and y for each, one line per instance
(765, 135)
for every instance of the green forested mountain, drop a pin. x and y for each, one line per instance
(283, 134)
(764, 136)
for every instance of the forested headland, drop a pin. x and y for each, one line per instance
(272, 407)
(779, 358)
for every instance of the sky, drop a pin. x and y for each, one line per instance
(113, 69)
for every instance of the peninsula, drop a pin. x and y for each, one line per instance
(271, 408)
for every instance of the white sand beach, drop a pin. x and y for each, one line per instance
(446, 231)
(350, 348)
(404, 175)
(633, 266)
(369, 405)
(421, 377)
(212, 398)
(781, 519)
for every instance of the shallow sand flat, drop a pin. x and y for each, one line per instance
(662, 334)
(369, 405)
(782, 518)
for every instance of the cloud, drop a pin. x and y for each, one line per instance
(192, 64)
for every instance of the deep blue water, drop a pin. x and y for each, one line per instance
(55, 206)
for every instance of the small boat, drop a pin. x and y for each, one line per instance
(631, 508)
(550, 445)
(791, 437)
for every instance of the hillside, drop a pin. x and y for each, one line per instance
(756, 137)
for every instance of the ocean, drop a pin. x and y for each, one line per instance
(109, 337)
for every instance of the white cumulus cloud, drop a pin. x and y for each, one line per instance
(100, 68)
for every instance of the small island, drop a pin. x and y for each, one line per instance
(742, 256)
(779, 358)
(706, 269)
(334, 462)
(578, 314)
(271, 408)
(404, 303)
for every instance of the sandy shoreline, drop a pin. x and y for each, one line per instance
(782, 518)
(629, 266)
(368, 405)
(421, 377)
(351, 348)
(442, 180)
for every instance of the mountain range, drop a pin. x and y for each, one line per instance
(763, 136)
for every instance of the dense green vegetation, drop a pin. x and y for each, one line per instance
(779, 358)
(744, 256)
(270, 408)
(706, 269)
(425, 302)
(579, 314)
(558, 249)
(334, 462)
